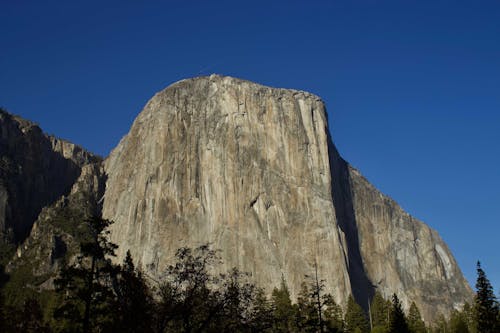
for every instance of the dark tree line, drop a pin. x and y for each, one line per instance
(95, 295)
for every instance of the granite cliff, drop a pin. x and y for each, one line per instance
(253, 170)
(250, 169)
(35, 170)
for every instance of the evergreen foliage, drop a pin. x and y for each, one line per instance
(95, 295)
(134, 299)
(88, 301)
(415, 322)
(458, 323)
(355, 318)
(284, 312)
(27, 319)
(397, 318)
(317, 310)
(379, 311)
(486, 305)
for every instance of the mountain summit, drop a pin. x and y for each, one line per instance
(250, 169)
(253, 171)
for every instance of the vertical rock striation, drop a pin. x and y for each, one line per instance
(253, 170)
(236, 164)
(35, 170)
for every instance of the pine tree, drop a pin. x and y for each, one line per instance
(379, 312)
(458, 323)
(261, 313)
(397, 318)
(284, 312)
(317, 310)
(355, 318)
(486, 306)
(307, 316)
(415, 322)
(334, 320)
(135, 302)
(469, 317)
(88, 299)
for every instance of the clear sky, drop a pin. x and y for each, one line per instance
(412, 87)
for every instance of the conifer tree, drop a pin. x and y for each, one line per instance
(469, 317)
(307, 316)
(355, 318)
(317, 310)
(135, 302)
(397, 318)
(284, 312)
(261, 314)
(486, 305)
(415, 322)
(379, 312)
(334, 320)
(85, 286)
(458, 323)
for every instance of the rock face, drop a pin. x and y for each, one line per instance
(252, 170)
(35, 170)
(403, 255)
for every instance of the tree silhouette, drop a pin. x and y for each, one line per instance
(134, 299)
(397, 319)
(284, 312)
(379, 310)
(355, 318)
(88, 301)
(415, 322)
(486, 304)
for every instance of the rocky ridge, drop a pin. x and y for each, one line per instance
(249, 168)
(253, 170)
(35, 170)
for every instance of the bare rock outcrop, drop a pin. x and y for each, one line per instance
(35, 170)
(252, 170)
(236, 164)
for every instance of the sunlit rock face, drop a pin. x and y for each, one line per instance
(253, 171)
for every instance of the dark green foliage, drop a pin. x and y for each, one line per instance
(469, 317)
(415, 322)
(397, 319)
(486, 305)
(86, 286)
(458, 323)
(261, 313)
(134, 299)
(333, 317)
(284, 312)
(355, 318)
(26, 319)
(187, 301)
(308, 319)
(379, 310)
(317, 310)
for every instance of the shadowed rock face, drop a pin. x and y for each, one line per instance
(253, 170)
(35, 170)
(403, 255)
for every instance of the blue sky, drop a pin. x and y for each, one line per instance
(412, 87)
